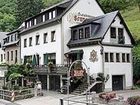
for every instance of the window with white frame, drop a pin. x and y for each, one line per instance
(106, 57)
(128, 57)
(53, 36)
(54, 14)
(45, 37)
(34, 21)
(113, 32)
(123, 57)
(50, 15)
(117, 57)
(37, 40)
(43, 18)
(111, 57)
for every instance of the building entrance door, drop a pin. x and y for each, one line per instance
(54, 82)
(43, 79)
(117, 82)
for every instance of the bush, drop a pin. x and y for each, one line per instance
(134, 100)
(4, 88)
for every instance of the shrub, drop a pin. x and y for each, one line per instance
(133, 100)
(4, 88)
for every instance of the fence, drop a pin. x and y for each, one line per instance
(90, 99)
(16, 95)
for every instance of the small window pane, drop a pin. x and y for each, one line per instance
(117, 57)
(45, 37)
(74, 35)
(30, 41)
(81, 34)
(128, 57)
(11, 55)
(87, 32)
(37, 40)
(53, 37)
(106, 57)
(123, 57)
(113, 32)
(111, 57)
(25, 42)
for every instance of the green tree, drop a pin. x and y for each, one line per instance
(138, 3)
(51, 2)
(26, 9)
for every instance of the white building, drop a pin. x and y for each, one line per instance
(79, 29)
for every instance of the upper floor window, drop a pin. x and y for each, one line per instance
(1, 57)
(123, 57)
(74, 34)
(113, 32)
(121, 36)
(11, 55)
(53, 36)
(43, 18)
(34, 21)
(81, 33)
(45, 37)
(87, 32)
(12, 38)
(128, 57)
(111, 57)
(106, 57)
(25, 42)
(7, 56)
(54, 14)
(50, 15)
(117, 57)
(30, 41)
(37, 40)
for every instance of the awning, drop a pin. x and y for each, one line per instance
(75, 52)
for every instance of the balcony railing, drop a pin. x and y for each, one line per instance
(57, 69)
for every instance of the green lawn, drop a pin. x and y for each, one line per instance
(132, 18)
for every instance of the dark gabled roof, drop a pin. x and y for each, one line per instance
(103, 23)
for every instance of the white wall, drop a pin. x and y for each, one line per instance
(120, 68)
(50, 47)
(95, 67)
(117, 24)
(88, 7)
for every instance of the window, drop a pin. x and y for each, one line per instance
(11, 38)
(106, 57)
(16, 56)
(54, 14)
(81, 34)
(25, 42)
(87, 32)
(37, 40)
(74, 35)
(1, 57)
(121, 36)
(128, 58)
(43, 18)
(117, 57)
(45, 37)
(4, 56)
(30, 41)
(11, 55)
(123, 57)
(50, 15)
(53, 39)
(7, 56)
(113, 32)
(52, 58)
(34, 21)
(111, 57)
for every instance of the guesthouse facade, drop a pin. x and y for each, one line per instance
(78, 30)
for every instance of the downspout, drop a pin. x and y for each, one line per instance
(102, 54)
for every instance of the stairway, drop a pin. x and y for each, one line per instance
(83, 88)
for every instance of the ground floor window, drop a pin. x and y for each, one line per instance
(50, 57)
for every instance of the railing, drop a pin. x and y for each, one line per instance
(16, 95)
(54, 69)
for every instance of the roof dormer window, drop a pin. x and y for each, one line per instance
(34, 21)
(50, 15)
(43, 18)
(54, 14)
